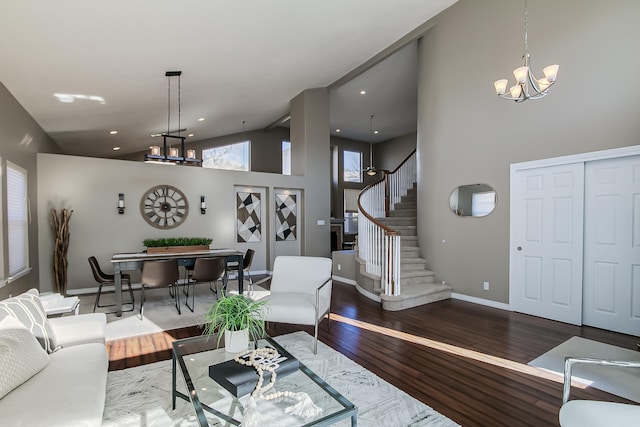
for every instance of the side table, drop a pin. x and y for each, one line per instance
(56, 304)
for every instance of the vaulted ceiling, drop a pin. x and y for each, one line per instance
(240, 61)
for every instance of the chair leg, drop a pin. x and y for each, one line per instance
(142, 302)
(133, 300)
(177, 293)
(315, 339)
(185, 283)
(193, 296)
(95, 304)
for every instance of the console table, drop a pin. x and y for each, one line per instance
(134, 261)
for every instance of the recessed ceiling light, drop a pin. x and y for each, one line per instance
(113, 132)
(190, 135)
(201, 119)
(337, 130)
(363, 92)
(116, 148)
(376, 132)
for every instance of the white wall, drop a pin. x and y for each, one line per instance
(90, 187)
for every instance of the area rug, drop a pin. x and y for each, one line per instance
(141, 396)
(160, 313)
(623, 382)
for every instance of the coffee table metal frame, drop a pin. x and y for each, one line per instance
(186, 346)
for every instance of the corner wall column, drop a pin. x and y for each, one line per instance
(310, 157)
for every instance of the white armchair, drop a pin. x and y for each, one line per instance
(300, 292)
(592, 413)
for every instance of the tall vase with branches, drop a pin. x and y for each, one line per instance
(60, 227)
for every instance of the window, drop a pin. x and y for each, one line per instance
(17, 219)
(231, 157)
(351, 210)
(286, 158)
(482, 204)
(352, 166)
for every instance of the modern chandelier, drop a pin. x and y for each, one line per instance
(527, 86)
(171, 155)
(370, 170)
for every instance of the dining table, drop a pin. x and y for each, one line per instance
(134, 261)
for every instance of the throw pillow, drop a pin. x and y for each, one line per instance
(21, 357)
(28, 309)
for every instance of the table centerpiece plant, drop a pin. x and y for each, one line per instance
(177, 244)
(238, 318)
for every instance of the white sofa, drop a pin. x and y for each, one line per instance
(69, 390)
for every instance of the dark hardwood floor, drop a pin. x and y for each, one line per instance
(467, 361)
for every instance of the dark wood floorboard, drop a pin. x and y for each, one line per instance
(471, 392)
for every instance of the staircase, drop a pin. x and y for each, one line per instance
(392, 270)
(418, 284)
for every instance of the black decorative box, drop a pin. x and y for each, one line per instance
(241, 379)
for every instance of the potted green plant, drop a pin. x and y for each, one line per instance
(238, 318)
(177, 244)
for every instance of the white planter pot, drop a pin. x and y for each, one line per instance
(236, 341)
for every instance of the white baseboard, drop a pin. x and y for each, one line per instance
(344, 280)
(481, 301)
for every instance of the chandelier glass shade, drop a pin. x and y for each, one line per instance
(527, 86)
(169, 155)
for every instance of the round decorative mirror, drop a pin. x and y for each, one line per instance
(475, 200)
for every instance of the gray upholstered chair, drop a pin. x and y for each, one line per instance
(300, 292)
(103, 278)
(159, 274)
(209, 270)
(246, 266)
(593, 413)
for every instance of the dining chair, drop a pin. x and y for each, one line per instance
(103, 278)
(247, 260)
(209, 270)
(300, 292)
(159, 274)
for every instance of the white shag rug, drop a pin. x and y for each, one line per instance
(141, 396)
(623, 382)
(160, 312)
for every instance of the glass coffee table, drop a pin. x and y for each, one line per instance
(212, 402)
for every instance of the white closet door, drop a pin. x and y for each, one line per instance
(546, 242)
(612, 245)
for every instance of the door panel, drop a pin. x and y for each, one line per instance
(612, 245)
(546, 253)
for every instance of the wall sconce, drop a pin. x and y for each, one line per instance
(203, 206)
(121, 203)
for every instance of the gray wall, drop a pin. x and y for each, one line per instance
(466, 134)
(21, 138)
(389, 154)
(90, 187)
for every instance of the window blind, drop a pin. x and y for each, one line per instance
(17, 218)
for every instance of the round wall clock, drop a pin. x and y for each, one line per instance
(164, 206)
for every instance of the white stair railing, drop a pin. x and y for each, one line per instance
(378, 244)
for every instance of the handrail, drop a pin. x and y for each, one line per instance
(379, 244)
(369, 217)
(406, 159)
